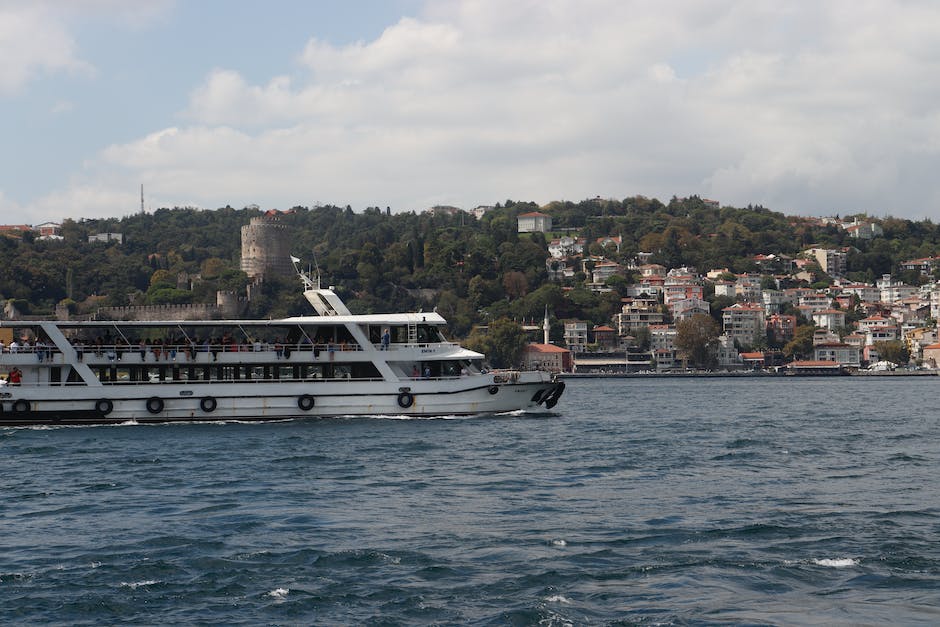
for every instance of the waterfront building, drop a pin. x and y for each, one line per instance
(576, 335)
(546, 357)
(844, 354)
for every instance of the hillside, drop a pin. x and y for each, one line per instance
(473, 270)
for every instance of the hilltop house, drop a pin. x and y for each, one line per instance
(534, 222)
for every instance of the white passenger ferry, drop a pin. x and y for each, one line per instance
(331, 364)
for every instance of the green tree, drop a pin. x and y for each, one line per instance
(893, 351)
(502, 343)
(697, 338)
(802, 343)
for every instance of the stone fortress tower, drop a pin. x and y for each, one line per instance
(265, 247)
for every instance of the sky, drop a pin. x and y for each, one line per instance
(807, 108)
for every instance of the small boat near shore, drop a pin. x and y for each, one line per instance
(334, 363)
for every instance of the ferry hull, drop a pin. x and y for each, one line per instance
(267, 403)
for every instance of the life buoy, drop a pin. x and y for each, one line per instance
(104, 406)
(21, 406)
(406, 400)
(154, 405)
(208, 404)
(305, 402)
(493, 389)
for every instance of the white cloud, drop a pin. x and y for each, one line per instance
(34, 41)
(802, 107)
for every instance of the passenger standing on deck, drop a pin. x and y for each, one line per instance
(386, 338)
(15, 376)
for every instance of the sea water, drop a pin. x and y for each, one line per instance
(651, 501)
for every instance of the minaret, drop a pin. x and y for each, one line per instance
(545, 327)
(141, 197)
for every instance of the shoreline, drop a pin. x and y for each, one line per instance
(745, 374)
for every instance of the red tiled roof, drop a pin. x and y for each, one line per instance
(546, 348)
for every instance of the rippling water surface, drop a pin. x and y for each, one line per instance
(691, 501)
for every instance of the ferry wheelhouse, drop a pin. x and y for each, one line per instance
(331, 364)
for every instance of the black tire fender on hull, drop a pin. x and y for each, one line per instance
(305, 402)
(104, 406)
(154, 405)
(208, 404)
(551, 399)
(21, 406)
(406, 400)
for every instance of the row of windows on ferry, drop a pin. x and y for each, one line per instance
(264, 372)
(222, 338)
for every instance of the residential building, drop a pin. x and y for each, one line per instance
(566, 246)
(662, 337)
(107, 237)
(781, 327)
(744, 323)
(747, 288)
(931, 356)
(652, 270)
(534, 222)
(49, 230)
(892, 290)
(606, 241)
(684, 309)
(844, 354)
(480, 211)
(774, 301)
(603, 270)
(724, 288)
(638, 313)
(650, 287)
(728, 356)
(681, 287)
(919, 339)
(815, 301)
(832, 319)
(576, 335)
(925, 265)
(605, 337)
(865, 292)
(862, 229)
(832, 261)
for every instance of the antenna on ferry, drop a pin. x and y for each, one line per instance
(308, 281)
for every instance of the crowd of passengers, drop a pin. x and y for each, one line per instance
(171, 349)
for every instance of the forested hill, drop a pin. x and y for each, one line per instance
(472, 270)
